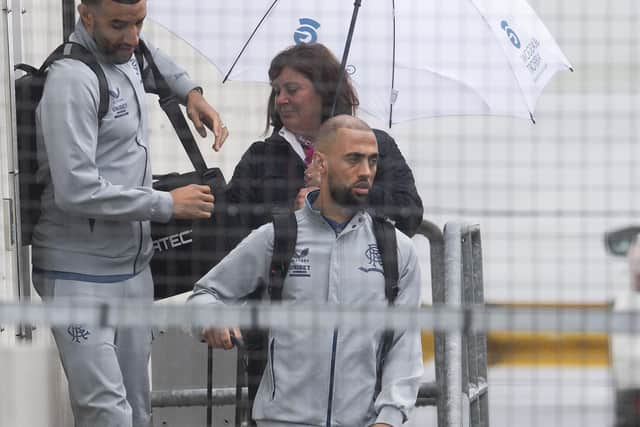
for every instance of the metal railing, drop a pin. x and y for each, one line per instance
(460, 356)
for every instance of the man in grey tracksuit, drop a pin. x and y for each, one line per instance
(93, 241)
(323, 377)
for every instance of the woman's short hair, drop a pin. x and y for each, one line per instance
(316, 62)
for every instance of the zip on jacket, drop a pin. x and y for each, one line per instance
(334, 348)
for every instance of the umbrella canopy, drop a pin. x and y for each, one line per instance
(408, 58)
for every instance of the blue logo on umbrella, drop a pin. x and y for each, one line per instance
(306, 33)
(513, 37)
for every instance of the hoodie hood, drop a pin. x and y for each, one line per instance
(82, 36)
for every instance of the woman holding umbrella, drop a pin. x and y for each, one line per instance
(271, 173)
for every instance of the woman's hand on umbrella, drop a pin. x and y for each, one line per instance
(202, 114)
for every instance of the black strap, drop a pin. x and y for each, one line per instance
(170, 105)
(385, 233)
(285, 235)
(27, 68)
(78, 52)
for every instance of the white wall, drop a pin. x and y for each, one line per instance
(33, 387)
(8, 263)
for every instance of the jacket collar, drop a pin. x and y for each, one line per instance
(292, 140)
(81, 36)
(354, 223)
(130, 69)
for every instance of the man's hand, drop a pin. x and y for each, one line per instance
(201, 114)
(312, 175)
(302, 195)
(220, 338)
(192, 201)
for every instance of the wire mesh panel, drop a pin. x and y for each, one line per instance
(495, 130)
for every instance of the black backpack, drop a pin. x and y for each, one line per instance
(28, 91)
(252, 358)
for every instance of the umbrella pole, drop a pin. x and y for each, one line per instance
(68, 18)
(345, 54)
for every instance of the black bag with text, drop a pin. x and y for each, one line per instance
(175, 265)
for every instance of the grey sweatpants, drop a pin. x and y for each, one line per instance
(106, 367)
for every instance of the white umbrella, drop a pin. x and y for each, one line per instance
(408, 58)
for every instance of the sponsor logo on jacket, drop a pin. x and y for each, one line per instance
(300, 265)
(374, 260)
(119, 105)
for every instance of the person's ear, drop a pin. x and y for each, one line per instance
(86, 14)
(320, 162)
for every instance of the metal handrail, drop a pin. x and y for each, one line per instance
(227, 396)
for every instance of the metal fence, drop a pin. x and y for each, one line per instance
(560, 323)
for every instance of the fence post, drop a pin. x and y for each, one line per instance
(480, 407)
(452, 386)
(436, 255)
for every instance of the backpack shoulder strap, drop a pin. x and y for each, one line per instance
(285, 235)
(387, 242)
(385, 233)
(170, 105)
(78, 52)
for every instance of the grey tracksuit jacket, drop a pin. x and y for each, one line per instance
(303, 364)
(98, 199)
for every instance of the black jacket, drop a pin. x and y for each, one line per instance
(270, 174)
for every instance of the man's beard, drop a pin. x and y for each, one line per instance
(110, 51)
(345, 197)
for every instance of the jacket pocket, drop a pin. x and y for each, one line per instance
(111, 239)
(272, 370)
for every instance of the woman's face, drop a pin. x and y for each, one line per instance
(297, 102)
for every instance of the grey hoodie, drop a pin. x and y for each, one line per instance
(296, 387)
(98, 200)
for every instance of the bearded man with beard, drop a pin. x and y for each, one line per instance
(325, 376)
(92, 242)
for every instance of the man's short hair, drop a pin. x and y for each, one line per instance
(327, 132)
